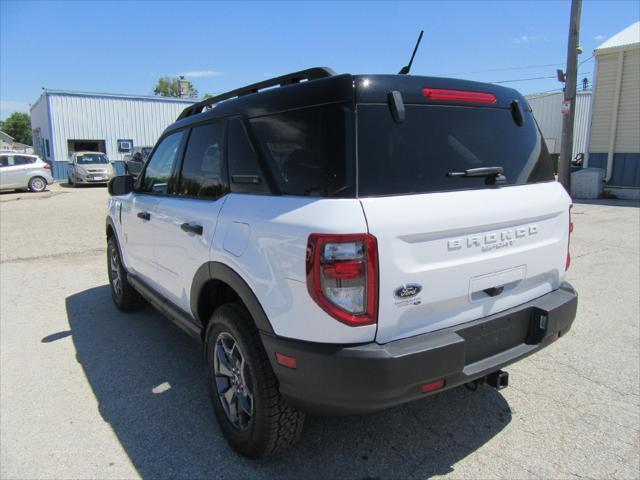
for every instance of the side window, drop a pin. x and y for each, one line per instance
(309, 150)
(20, 160)
(203, 173)
(4, 161)
(158, 172)
(244, 172)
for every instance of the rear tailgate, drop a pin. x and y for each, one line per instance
(462, 199)
(452, 248)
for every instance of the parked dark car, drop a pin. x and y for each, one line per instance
(135, 160)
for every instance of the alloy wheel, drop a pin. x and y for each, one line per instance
(233, 382)
(116, 281)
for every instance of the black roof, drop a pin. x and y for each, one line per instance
(321, 85)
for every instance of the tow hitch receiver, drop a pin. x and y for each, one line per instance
(498, 379)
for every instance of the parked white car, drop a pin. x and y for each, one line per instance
(89, 168)
(347, 244)
(22, 171)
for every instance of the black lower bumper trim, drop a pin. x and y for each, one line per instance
(352, 379)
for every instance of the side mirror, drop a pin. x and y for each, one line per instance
(121, 185)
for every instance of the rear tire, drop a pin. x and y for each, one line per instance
(37, 184)
(123, 294)
(238, 369)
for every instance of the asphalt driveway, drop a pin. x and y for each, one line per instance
(89, 392)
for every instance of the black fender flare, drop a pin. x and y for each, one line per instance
(219, 271)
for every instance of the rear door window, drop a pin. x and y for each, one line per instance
(309, 150)
(22, 160)
(203, 174)
(415, 156)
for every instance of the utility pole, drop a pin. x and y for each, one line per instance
(571, 80)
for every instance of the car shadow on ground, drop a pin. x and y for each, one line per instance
(148, 378)
(82, 185)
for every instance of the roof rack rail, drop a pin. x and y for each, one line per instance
(288, 79)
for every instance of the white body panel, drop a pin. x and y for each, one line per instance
(270, 254)
(136, 240)
(446, 243)
(178, 254)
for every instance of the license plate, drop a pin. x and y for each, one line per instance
(98, 177)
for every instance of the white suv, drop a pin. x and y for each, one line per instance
(346, 243)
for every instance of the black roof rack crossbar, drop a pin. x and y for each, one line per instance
(288, 79)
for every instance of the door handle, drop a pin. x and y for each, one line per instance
(191, 228)
(144, 215)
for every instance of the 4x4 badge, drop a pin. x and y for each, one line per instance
(407, 291)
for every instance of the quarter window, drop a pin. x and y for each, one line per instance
(203, 174)
(244, 170)
(157, 175)
(309, 150)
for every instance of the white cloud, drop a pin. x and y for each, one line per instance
(13, 106)
(201, 73)
(524, 39)
(599, 37)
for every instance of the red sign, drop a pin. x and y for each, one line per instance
(566, 107)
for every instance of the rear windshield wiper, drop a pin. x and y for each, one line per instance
(493, 174)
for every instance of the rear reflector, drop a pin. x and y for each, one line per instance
(432, 386)
(286, 360)
(458, 95)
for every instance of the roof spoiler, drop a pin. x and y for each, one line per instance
(288, 79)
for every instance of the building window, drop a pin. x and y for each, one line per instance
(125, 146)
(46, 146)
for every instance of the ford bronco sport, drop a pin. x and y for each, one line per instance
(345, 243)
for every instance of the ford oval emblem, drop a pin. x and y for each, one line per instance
(407, 291)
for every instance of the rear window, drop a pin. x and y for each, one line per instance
(309, 150)
(416, 155)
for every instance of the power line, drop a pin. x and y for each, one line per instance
(532, 78)
(504, 69)
(500, 69)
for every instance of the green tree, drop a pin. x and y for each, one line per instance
(170, 87)
(207, 95)
(18, 125)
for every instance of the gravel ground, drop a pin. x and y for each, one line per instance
(89, 392)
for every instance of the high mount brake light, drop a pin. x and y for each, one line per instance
(568, 263)
(458, 95)
(342, 276)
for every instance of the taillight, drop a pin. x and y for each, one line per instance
(569, 240)
(458, 95)
(342, 276)
(46, 166)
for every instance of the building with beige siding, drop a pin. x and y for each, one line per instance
(614, 134)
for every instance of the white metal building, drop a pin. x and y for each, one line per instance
(65, 121)
(547, 112)
(614, 137)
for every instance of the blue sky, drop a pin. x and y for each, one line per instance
(124, 47)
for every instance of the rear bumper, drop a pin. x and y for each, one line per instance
(89, 180)
(353, 379)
